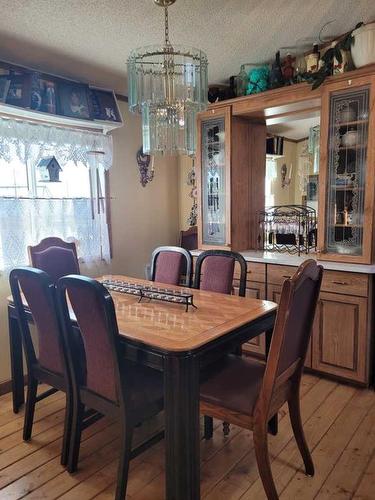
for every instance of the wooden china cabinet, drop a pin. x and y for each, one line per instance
(346, 175)
(230, 179)
(231, 171)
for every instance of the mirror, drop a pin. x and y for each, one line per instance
(292, 162)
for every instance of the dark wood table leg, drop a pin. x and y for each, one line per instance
(16, 362)
(181, 389)
(273, 423)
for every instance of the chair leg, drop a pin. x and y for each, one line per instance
(32, 388)
(75, 435)
(264, 466)
(295, 419)
(67, 431)
(208, 427)
(123, 466)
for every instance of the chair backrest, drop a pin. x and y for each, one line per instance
(292, 331)
(169, 264)
(54, 256)
(93, 308)
(40, 294)
(214, 271)
(189, 238)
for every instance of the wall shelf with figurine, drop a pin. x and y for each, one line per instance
(30, 95)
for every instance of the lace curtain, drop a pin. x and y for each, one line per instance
(25, 219)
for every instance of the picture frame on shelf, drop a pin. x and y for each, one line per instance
(43, 94)
(74, 100)
(104, 105)
(19, 91)
(4, 87)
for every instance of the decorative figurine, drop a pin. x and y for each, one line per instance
(258, 80)
(276, 75)
(288, 68)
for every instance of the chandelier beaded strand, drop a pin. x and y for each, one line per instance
(168, 85)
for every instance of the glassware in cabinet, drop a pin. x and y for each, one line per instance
(346, 171)
(213, 182)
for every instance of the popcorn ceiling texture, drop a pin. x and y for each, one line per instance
(91, 39)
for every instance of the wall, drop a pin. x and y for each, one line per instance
(142, 218)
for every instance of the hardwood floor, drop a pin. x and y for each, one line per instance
(339, 422)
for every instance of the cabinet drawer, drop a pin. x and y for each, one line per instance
(255, 271)
(345, 283)
(276, 275)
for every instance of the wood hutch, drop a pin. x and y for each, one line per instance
(232, 136)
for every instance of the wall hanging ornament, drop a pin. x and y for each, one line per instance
(168, 85)
(145, 171)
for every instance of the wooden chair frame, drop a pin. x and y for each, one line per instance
(222, 253)
(37, 373)
(52, 241)
(82, 396)
(278, 389)
(182, 251)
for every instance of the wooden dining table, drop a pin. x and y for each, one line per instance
(180, 343)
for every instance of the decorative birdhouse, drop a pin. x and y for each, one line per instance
(49, 169)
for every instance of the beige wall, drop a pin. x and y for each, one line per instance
(142, 218)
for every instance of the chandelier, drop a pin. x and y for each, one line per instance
(168, 85)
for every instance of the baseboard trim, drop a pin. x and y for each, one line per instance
(6, 386)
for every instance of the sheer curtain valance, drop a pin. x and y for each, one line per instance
(31, 208)
(33, 141)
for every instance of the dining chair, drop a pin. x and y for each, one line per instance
(113, 386)
(49, 366)
(214, 271)
(247, 393)
(171, 265)
(189, 238)
(54, 256)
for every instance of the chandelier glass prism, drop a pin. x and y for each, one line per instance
(168, 85)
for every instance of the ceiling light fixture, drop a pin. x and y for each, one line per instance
(168, 85)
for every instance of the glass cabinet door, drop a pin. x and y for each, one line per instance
(346, 174)
(213, 182)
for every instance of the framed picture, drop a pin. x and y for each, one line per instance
(74, 100)
(4, 87)
(43, 94)
(104, 105)
(19, 91)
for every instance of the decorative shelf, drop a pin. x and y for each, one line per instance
(346, 188)
(347, 225)
(355, 122)
(9, 111)
(357, 146)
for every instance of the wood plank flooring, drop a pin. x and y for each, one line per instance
(339, 422)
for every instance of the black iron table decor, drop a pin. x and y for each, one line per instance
(151, 292)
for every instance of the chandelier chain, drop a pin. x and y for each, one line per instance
(167, 42)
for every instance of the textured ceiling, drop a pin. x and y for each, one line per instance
(294, 129)
(91, 39)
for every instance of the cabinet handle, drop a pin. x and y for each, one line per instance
(340, 283)
(286, 276)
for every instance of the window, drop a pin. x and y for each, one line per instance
(33, 208)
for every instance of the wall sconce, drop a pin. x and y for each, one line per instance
(284, 170)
